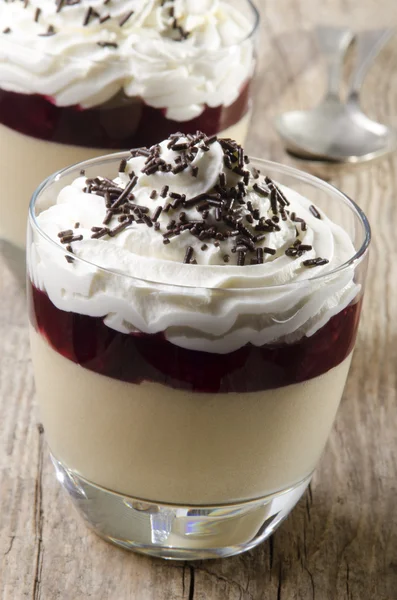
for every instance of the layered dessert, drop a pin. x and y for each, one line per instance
(191, 325)
(78, 78)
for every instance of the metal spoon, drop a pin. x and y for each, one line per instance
(336, 131)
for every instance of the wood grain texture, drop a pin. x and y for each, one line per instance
(340, 543)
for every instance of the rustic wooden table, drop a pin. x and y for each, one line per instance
(341, 540)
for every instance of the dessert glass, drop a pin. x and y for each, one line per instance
(39, 137)
(181, 453)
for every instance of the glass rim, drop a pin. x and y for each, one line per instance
(353, 261)
(253, 27)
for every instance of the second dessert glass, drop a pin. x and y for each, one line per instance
(118, 88)
(172, 451)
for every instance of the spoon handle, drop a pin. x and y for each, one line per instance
(334, 42)
(369, 44)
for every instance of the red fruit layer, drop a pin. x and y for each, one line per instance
(116, 125)
(142, 357)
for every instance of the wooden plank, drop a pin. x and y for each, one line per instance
(341, 540)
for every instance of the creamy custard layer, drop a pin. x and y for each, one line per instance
(160, 444)
(41, 159)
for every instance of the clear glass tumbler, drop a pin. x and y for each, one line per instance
(59, 107)
(183, 453)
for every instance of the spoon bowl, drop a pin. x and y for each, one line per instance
(335, 132)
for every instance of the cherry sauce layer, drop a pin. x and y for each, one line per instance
(122, 123)
(137, 358)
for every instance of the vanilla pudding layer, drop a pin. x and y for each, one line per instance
(18, 182)
(41, 159)
(160, 444)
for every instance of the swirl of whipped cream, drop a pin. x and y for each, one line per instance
(205, 304)
(77, 57)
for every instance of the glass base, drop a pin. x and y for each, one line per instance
(173, 531)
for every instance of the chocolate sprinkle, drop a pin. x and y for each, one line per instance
(50, 31)
(188, 255)
(273, 202)
(87, 16)
(211, 140)
(261, 191)
(315, 262)
(126, 192)
(67, 239)
(259, 238)
(107, 44)
(98, 234)
(314, 212)
(164, 191)
(179, 168)
(108, 217)
(64, 233)
(125, 18)
(119, 228)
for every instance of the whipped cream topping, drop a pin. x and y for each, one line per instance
(179, 55)
(198, 245)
